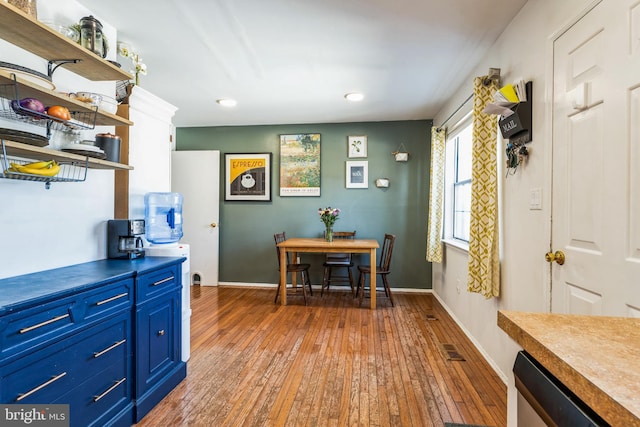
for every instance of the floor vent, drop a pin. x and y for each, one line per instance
(461, 425)
(431, 316)
(451, 352)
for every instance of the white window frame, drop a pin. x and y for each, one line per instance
(450, 173)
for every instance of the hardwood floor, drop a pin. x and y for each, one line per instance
(331, 363)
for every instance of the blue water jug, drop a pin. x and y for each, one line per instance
(163, 217)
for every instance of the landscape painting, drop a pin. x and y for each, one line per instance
(300, 164)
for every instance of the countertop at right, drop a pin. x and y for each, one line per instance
(596, 357)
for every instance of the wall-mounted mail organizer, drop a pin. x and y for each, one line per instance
(517, 128)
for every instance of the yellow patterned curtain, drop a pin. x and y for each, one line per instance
(484, 258)
(436, 192)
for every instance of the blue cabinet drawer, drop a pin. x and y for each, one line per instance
(106, 299)
(33, 327)
(28, 328)
(45, 375)
(100, 398)
(107, 343)
(157, 282)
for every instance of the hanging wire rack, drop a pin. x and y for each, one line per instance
(70, 171)
(11, 109)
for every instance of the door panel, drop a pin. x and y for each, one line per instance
(634, 205)
(584, 186)
(596, 184)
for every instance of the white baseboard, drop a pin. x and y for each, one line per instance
(275, 285)
(247, 285)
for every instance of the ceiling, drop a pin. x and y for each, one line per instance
(292, 61)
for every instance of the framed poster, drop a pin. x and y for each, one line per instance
(358, 174)
(247, 176)
(357, 146)
(300, 164)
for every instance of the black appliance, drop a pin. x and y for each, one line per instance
(124, 238)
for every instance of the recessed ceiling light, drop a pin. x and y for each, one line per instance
(354, 96)
(227, 102)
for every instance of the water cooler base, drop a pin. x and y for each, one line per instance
(179, 250)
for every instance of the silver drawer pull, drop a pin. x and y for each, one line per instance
(160, 282)
(109, 390)
(112, 298)
(45, 323)
(161, 332)
(108, 349)
(40, 387)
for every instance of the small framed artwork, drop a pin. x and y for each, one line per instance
(247, 177)
(358, 174)
(357, 146)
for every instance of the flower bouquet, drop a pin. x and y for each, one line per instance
(329, 216)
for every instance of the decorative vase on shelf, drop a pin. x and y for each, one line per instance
(328, 233)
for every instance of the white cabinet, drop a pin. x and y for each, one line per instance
(149, 147)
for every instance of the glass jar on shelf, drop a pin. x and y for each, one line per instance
(29, 7)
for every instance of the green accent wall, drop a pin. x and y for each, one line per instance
(247, 249)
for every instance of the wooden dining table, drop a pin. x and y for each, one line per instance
(295, 245)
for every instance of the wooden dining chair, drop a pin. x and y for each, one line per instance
(382, 269)
(341, 261)
(293, 268)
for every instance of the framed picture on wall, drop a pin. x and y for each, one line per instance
(300, 164)
(247, 177)
(358, 174)
(357, 146)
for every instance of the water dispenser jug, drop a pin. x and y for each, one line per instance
(163, 217)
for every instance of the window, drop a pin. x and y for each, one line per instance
(458, 182)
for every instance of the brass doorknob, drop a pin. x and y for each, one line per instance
(558, 257)
(213, 225)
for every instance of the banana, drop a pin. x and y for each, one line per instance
(53, 170)
(39, 165)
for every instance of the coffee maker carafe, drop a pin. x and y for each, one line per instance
(124, 238)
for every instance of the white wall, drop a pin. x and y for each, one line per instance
(522, 51)
(42, 229)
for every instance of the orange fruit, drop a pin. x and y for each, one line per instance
(59, 112)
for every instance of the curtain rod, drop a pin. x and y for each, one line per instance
(455, 112)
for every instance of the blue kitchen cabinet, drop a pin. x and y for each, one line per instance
(76, 349)
(159, 367)
(102, 337)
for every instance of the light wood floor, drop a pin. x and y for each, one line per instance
(331, 363)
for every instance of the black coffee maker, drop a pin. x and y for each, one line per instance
(123, 238)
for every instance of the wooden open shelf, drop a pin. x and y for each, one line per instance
(22, 30)
(17, 149)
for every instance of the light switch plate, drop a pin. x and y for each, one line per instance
(535, 199)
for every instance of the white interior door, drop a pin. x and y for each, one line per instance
(196, 175)
(596, 187)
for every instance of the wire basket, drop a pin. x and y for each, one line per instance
(11, 109)
(70, 171)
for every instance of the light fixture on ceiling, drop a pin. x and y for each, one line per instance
(354, 96)
(227, 102)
